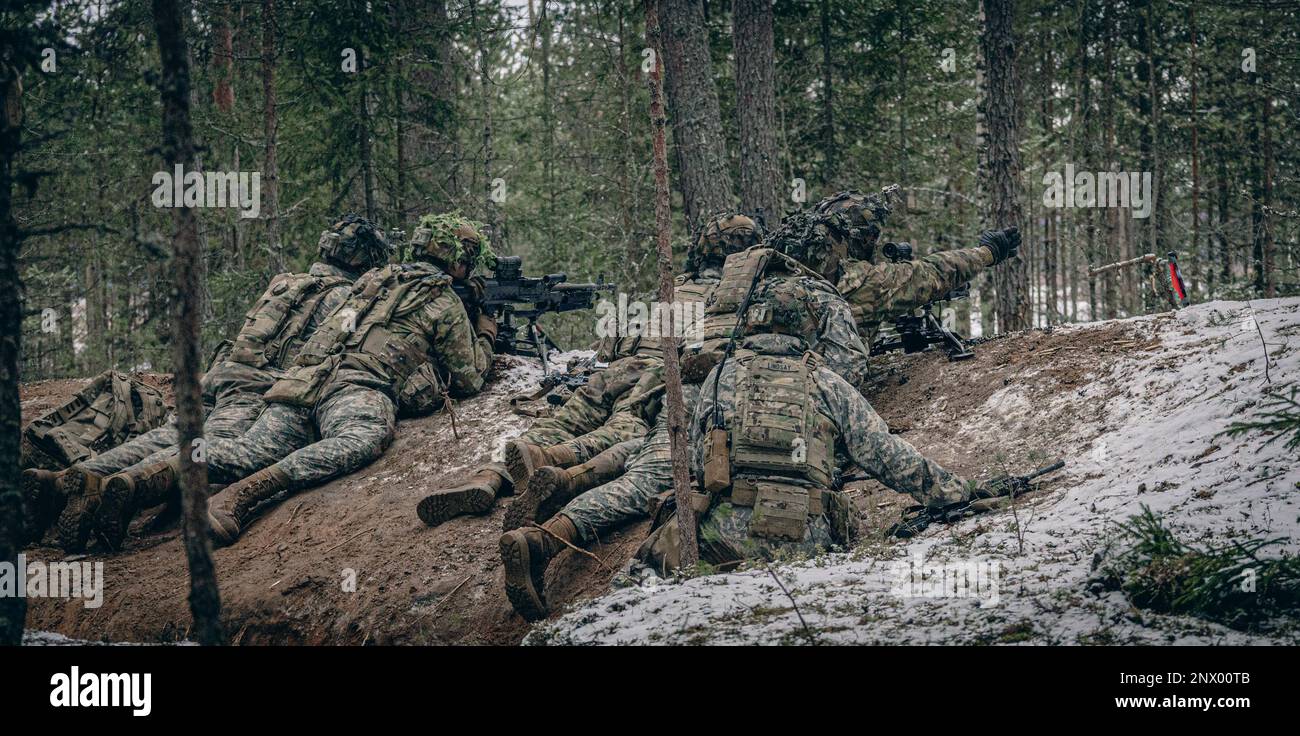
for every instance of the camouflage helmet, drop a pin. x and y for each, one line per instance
(723, 234)
(783, 305)
(354, 243)
(864, 215)
(815, 240)
(447, 239)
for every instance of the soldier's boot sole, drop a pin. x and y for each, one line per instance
(78, 515)
(519, 462)
(524, 574)
(43, 501)
(548, 491)
(443, 505)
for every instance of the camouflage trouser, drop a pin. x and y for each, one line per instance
(232, 417)
(627, 498)
(355, 426)
(610, 408)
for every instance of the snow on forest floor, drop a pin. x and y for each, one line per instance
(1138, 425)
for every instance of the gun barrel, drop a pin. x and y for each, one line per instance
(1047, 469)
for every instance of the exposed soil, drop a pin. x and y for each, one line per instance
(286, 579)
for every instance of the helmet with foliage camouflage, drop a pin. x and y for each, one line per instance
(354, 243)
(864, 215)
(815, 240)
(447, 239)
(783, 305)
(723, 234)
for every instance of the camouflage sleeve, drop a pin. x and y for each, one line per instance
(878, 291)
(839, 343)
(465, 357)
(884, 456)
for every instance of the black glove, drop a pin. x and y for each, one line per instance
(1003, 243)
(477, 287)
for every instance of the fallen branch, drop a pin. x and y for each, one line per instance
(1262, 343)
(574, 547)
(349, 539)
(807, 631)
(452, 592)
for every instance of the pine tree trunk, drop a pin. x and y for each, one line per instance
(178, 148)
(491, 213)
(270, 127)
(1003, 176)
(701, 152)
(755, 52)
(367, 156)
(1198, 270)
(13, 609)
(827, 99)
(663, 245)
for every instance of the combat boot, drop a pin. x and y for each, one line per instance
(524, 458)
(75, 527)
(552, 487)
(81, 491)
(474, 496)
(127, 494)
(526, 553)
(230, 511)
(43, 500)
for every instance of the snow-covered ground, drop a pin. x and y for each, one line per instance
(1149, 433)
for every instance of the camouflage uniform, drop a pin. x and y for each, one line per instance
(275, 328)
(648, 471)
(879, 291)
(726, 534)
(608, 409)
(346, 382)
(234, 385)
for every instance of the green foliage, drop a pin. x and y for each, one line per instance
(1279, 416)
(1230, 584)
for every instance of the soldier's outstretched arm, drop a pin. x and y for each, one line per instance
(455, 345)
(878, 291)
(884, 456)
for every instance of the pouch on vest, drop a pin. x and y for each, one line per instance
(302, 385)
(717, 462)
(780, 512)
(421, 393)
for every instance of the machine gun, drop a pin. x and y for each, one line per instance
(917, 518)
(509, 295)
(917, 332)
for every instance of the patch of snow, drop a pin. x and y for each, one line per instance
(1145, 432)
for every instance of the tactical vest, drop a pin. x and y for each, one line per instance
(739, 273)
(777, 433)
(361, 329)
(686, 291)
(111, 410)
(274, 327)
